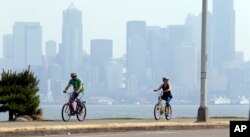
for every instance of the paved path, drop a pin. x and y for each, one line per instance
(172, 133)
(103, 121)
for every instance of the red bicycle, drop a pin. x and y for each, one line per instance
(80, 110)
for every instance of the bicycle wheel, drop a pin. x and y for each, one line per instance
(168, 115)
(81, 112)
(66, 112)
(157, 112)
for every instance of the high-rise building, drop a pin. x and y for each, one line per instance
(173, 36)
(154, 44)
(71, 50)
(27, 44)
(101, 51)
(223, 49)
(114, 76)
(137, 52)
(186, 65)
(51, 48)
(195, 23)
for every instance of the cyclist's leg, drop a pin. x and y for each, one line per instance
(72, 98)
(78, 99)
(168, 99)
(167, 104)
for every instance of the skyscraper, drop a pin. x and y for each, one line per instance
(50, 48)
(154, 44)
(173, 36)
(136, 52)
(101, 51)
(27, 44)
(223, 49)
(71, 51)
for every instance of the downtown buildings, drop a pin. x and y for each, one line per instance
(152, 52)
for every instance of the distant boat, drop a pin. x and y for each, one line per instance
(244, 101)
(222, 100)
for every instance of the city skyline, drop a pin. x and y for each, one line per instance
(152, 52)
(93, 29)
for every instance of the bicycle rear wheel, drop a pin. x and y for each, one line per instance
(66, 112)
(157, 112)
(168, 115)
(81, 112)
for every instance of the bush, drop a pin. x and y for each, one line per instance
(18, 93)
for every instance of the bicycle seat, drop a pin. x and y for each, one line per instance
(83, 102)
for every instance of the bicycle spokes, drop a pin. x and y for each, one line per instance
(81, 114)
(66, 112)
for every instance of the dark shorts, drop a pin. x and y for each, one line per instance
(74, 96)
(167, 97)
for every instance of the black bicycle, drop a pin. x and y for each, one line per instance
(80, 110)
(161, 109)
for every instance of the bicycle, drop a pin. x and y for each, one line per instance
(160, 108)
(80, 110)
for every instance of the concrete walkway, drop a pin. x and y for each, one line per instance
(108, 125)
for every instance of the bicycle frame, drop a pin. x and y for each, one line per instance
(71, 104)
(160, 108)
(160, 93)
(69, 109)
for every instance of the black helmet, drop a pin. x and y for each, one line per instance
(164, 78)
(73, 74)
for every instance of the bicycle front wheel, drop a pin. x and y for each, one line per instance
(157, 112)
(81, 112)
(168, 114)
(66, 112)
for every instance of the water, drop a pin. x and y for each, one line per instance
(53, 112)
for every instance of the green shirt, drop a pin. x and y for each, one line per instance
(76, 84)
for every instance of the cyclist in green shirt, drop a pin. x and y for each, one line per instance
(78, 89)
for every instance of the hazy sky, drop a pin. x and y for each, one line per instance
(106, 19)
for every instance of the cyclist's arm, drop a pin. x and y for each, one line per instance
(67, 87)
(169, 87)
(80, 87)
(159, 88)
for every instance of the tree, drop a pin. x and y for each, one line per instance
(18, 93)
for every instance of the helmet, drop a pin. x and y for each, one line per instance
(73, 74)
(164, 78)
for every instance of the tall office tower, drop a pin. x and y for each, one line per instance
(136, 53)
(195, 23)
(51, 55)
(114, 76)
(101, 51)
(173, 36)
(27, 44)
(70, 51)
(8, 46)
(154, 45)
(186, 65)
(51, 48)
(223, 49)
